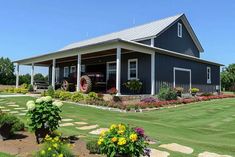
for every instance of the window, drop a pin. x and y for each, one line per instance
(208, 75)
(57, 74)
(83, 68)
(111, 70)
(132, 69)
(66, 71)
(72, 69)
(179, 30)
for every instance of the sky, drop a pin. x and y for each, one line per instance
(29, 28)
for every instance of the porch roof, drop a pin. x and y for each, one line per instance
(107, 45)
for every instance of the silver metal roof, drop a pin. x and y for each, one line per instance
(139, 32)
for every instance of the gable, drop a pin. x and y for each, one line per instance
(169, 40)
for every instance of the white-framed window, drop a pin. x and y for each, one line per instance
(83, 68)
(57, 74)
(72, 69)
(208, 75)
(179, 30)
(66, 71)
(132, 69)
(111, 70)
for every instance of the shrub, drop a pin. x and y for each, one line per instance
(57, 93)
(30, 88)
(55, 147)
(92, 96)
(24, 86)
(44, 113)
(50, 91)
(207, 94)
(122, 140)
(65, 95)
(17, 125)
(167, 93)
(93, 147)
(194, 90)
(77, 97)
(134, 85)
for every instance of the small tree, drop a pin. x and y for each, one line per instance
(6, 71)
(228, 77)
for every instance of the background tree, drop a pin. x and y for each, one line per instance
(7, 76)
(40, 77)
(24, 79)
(228, 78)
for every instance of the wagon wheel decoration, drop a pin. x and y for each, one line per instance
(85, 84)
(65, 85)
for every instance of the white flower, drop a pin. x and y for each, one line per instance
(47, 99)
(30, 105)
(39, 100)
(59, 104)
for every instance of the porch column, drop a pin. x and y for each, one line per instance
(17, 74)
(32, 74)
(118, 71)
(53, 73)
(78, 72)
(153, 73)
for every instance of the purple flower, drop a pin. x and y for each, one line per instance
(149, 100)
(139, 131)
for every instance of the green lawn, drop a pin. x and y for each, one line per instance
(204, 126)
(5, 155)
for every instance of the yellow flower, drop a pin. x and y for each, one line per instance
(53, 155)
(113, 126)
(114, 139)
(100, 141)
(133, 137)
(121, 141)
(121, 132)
(43, 152)
(49, 149)
(48, 138)
(103, 133)
(56, 139)
(55, 145)
(61, 155)
(121, 127)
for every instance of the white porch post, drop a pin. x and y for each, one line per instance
(118, 71)
(17, 74)
(53, 73)
(32, 74)
(153, 74)
(78, 72)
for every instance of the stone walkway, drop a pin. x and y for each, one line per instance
(177, 148)
(158, 153)
(209, 154)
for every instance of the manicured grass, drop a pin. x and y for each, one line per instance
(203, 126)
(5, 155)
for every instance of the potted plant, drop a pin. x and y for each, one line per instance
(134, 86)
(44, 116)
(179, 91)
(122, 141)
(194, 91)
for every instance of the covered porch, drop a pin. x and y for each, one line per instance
(115, 62)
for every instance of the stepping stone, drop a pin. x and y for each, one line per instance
(66, 124)
(11, 103)
(87, 127)
(80, 123)
(24, 110)
(98, 131)
(14, 105)
(2, 107)
(6, 110)
(67, 120)
(158, 153)
(20, 108)
(209, 154)
(22, 114)
(14, 112)
(151, 142)
(177, 148)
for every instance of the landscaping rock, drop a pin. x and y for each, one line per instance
(158, 153)
(81, 123)
(98, 131)
(87, 127)
(177, 148)
(209, 154)
(66, 124)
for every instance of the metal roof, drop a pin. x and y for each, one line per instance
(140, 32)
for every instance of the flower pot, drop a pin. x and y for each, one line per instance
(5, 131)
(41, 134)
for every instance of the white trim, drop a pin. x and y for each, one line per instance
(32, 74)
(57, 74)
(17, 74)
(129, 69)
(118, 71)
(65, 75)
(152, 42)
(78, 72)
(153, 74)
(53, 73)
(179, 30)
(183, 69)
(71, 68)
(108, 70)
(208, 73)
(146, 38)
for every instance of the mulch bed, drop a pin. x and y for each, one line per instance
(23, 144)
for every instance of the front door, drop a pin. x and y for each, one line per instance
(111, 75)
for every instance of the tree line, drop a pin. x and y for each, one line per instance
(7, 76)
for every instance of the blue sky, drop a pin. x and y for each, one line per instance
(29, 28)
